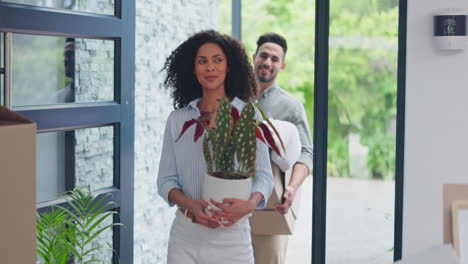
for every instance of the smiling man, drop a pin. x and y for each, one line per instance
(269, 60)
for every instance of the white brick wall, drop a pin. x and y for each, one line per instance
(94, 72)
(161, 25)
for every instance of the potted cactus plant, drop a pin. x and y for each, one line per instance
(230, 148)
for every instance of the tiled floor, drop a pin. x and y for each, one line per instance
(359, 223)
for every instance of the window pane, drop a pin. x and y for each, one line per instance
(105, 7)
(361, 132)
(48, 70)
(94, 157)
(225, 17)
(83, 158)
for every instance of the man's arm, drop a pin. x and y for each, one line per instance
(299, 174)
(301, 168)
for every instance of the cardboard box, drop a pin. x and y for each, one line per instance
(268, 221)
(451, 192)
(17, 188)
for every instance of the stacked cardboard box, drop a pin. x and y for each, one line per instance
(17, 188)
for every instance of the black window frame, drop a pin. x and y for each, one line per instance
(119, 28)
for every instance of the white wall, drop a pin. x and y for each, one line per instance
(436, 145)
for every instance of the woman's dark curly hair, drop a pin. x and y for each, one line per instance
(180, 65)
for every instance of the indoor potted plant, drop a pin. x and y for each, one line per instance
(230, 148)
(70, 234)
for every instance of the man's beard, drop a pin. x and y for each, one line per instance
(263, 78)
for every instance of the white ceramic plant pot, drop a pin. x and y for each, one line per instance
(218, 189)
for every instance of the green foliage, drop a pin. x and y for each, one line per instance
(231, 140)
(361, 7)
(69, 233)
(230, 147)
(362, 90)
(244, 140)
(293, 19)
(362, 71)
(52, 241)
(221, 138)
(207, 155)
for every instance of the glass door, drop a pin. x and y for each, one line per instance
(294, 20)
(349, 89)
(362, 93)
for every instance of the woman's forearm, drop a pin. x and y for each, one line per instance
(178, 197)
(254, 200)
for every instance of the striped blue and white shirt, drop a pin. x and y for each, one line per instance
(183, 165)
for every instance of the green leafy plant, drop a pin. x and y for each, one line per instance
(230, 148)
(51, 237)
(68, 233)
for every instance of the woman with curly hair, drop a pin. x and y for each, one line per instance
(204, 68)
